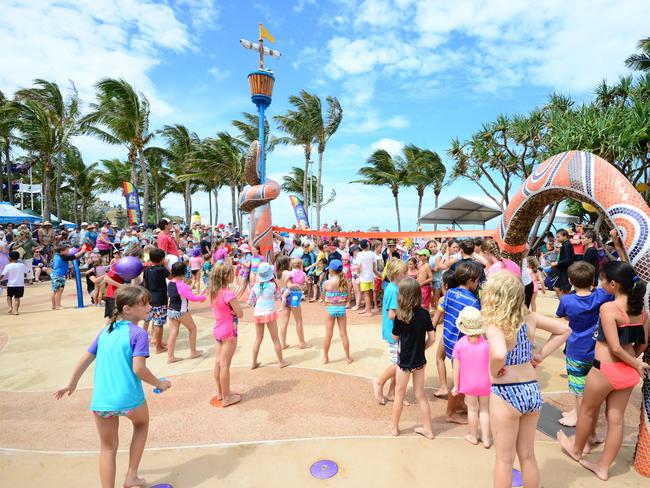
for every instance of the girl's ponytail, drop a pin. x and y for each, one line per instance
(635, 296)
(113, 320)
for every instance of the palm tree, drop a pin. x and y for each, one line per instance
(249, 132)
(424, 169)
(182, 151)
(325, 130)
(65, 115)
(231, 165)
(301, 125)
(37, 135)
(83, 181)
(159, 176)
(121, 116)
(8, 116)
(208, 170)
(113, 174)
(292, 183)
(640, 61)
(384, 170)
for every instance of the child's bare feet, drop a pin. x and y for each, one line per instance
(134, 482)
(379, 395)
(375, 310)
(196, 354)
(568, 445)
(391, 398)
(456, 419)
(366, 314)
(471, 439)
(285, 346)
(283, 364)
(255, 365)
(595, 468)
(173, 359)
(305, 345)
(487, 443)
(232, 399)
(347, 360)
(326, 360)
(424, 432)
(394, 430)
(570, 419)
(355, 308)
(160, 350)
(441, 393)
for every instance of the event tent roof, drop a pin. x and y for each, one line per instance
(11, 215)
(475, 210)
(54, 218)
(463, 210)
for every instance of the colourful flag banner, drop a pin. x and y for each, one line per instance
(266, 34)
(132, 203)
(299, 209)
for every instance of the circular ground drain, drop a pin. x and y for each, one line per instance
(163, 485)
(324, 469)
(516, 478)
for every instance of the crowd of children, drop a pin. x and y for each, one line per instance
(483, 301)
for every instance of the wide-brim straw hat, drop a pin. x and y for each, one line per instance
(46, 223)
(470, 322)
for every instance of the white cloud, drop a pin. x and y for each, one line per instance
(87, 40)
(202, 13)
(498, 43)
(219, 74)
(298, 7)
(392, 146)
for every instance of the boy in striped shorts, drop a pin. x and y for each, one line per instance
(581, 308)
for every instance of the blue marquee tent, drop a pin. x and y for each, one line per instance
(11, 215)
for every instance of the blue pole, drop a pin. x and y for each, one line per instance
(261, 139)
(77, 279)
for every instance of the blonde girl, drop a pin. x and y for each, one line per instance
(283, 272)
(336, 296)
(516, 399)
(227, 313)
(415, 332)
(121, 349)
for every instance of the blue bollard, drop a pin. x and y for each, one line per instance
(77, 279)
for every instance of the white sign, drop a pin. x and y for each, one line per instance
(24, 188)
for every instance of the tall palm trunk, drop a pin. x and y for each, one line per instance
(156, 198)
(145, 203)
(188, 203)
(76, 212)
(399, 223)
(57, 190)
(437, 195)
(47, 196)
(233, 195)
(318, 192)
(240, 217)
(9, 173)
(305, 181)
(216, 206)
(210, 204)
(420, 197)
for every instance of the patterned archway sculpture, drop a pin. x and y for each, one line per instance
(588, 178)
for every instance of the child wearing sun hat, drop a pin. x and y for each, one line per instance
(262, 298)
(472, 373)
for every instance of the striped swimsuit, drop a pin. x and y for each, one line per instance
(337, 301)
(525, 396)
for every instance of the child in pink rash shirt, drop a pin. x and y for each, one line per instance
(296, 282)
(178, 312)
(472, 374)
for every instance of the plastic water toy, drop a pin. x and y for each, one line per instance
(157, 391)
(72, 251)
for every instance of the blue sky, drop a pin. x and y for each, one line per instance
(405, 71)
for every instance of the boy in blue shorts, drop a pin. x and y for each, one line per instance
(582, 309)
(395, 272)
(467, 276)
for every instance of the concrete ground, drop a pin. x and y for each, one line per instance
(288, 419)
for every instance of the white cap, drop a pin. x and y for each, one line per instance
(84, 223)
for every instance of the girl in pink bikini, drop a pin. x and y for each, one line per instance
(622, 336)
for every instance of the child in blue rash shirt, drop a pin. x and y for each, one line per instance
(395, 271)
(582, 309)
(121, 349)
(59, 272)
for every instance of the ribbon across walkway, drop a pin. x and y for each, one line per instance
(444, 234)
